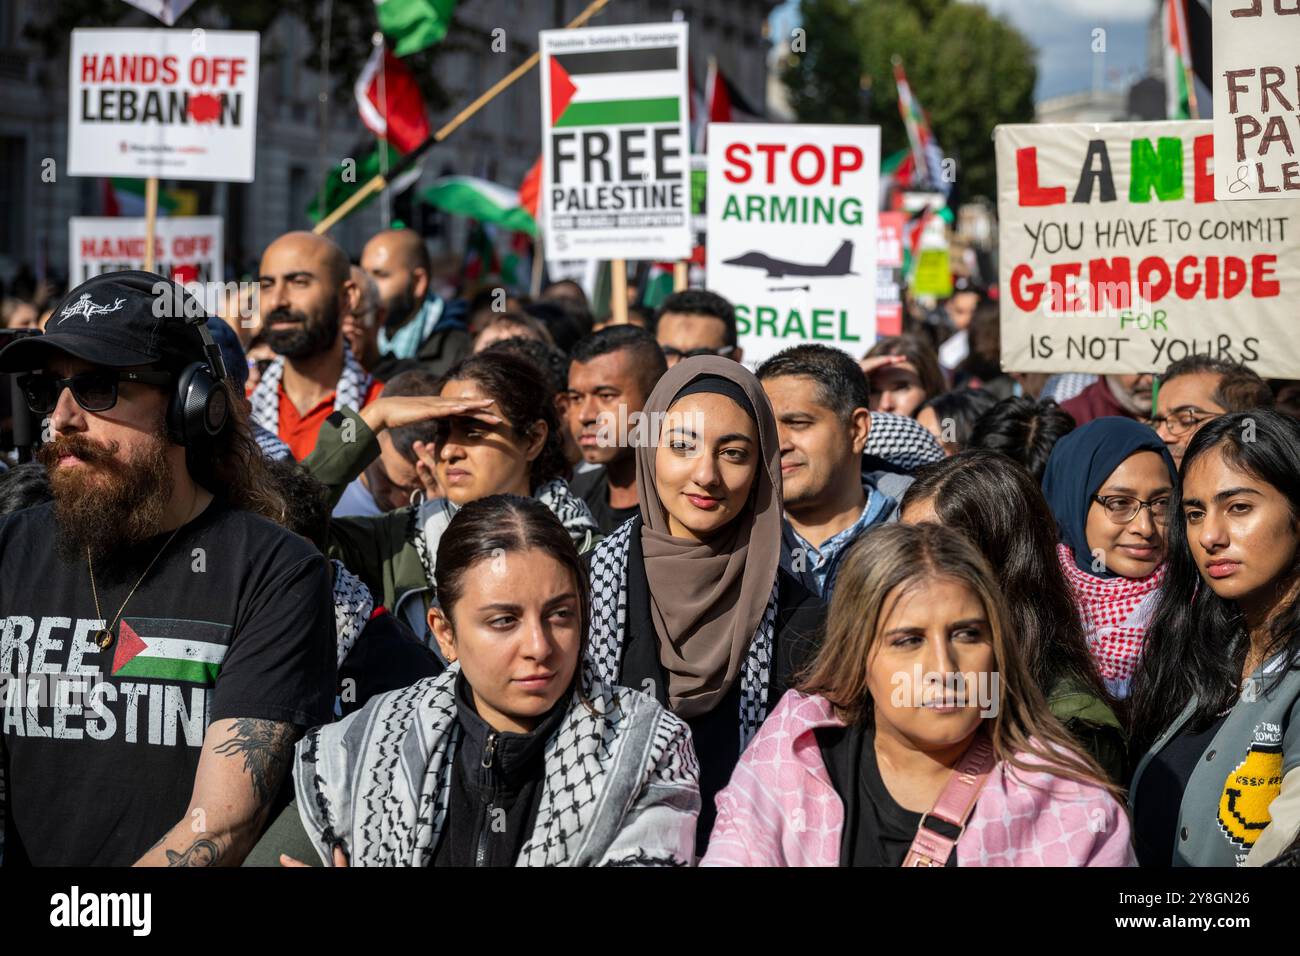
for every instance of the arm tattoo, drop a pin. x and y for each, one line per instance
(200, 853)
(266, 746)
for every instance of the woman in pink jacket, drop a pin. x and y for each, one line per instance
(916, 738)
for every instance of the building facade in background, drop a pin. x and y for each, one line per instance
(295, 148)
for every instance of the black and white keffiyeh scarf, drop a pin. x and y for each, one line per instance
(608, 630)
(353, 385)
(353, 605)
(379, 782)
(902, 442)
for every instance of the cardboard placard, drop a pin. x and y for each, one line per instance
(186, 248)
(1257, 99)
(615, 144)
(792, 233)
(1115, 256)
(174, 104)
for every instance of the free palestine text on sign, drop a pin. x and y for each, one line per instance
(616, 163)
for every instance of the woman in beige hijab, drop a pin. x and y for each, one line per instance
(689, 603)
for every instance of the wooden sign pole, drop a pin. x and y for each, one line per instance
(681, 274)
(618, 292)
(150, 219)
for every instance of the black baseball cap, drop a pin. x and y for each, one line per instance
(119, 320)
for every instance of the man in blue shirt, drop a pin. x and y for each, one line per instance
(820, 397)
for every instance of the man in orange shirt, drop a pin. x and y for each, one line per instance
(306, 287)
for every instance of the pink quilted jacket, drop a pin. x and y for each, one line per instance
(780, 808)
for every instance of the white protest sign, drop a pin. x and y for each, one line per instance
(1115, 256)
(1257, 99)
(174, 104)
(793, 217)
(186, 248)
(616, 157)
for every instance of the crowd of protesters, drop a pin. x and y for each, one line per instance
(383, 578)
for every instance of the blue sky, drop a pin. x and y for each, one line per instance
(1062, 31)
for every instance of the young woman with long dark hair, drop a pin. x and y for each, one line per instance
(999, 507)
(917, 737)
(511, 756)
(1216, 702)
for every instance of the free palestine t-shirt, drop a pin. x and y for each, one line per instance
(99, 747)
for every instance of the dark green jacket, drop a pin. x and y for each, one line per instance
(1091, 722)
(381, 549)
(392, 553)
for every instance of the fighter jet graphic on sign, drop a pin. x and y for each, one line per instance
(837, 265)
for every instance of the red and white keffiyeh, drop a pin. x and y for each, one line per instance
(1115, 612)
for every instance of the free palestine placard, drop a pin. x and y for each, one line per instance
(615, 148)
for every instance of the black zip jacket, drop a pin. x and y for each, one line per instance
(496, 786)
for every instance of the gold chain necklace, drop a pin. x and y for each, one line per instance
(104, 636)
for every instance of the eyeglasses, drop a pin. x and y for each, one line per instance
(1121, 509)
(1182, 420)
(95, 391)
(676, 355)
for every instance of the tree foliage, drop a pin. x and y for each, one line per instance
(969, 69)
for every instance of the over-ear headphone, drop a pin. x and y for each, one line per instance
(200, 407)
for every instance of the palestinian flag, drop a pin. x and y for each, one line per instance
(530, 190)
(125, 197)
(482, 200)
(725, 102)
(344, 179)
(1180, 85)
(414, 25)
(927, 155)
(613, 88)
(658, 284)
(389, 101)
(170, 649)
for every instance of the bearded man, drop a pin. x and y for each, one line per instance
(162, 643)
(305, 288)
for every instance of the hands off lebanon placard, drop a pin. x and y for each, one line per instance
(792, 233)
(1257, 99)
(176, 104)
(186, 248)
(616, 157)
(1116, 257)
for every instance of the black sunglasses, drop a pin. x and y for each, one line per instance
(95, 391)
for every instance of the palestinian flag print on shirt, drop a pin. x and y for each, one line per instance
(612, 88)
(170, 649)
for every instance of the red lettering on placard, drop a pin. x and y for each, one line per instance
(1202, 174)
(1031, 194)
(737, 155)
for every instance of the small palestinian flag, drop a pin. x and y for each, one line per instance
(170, 649)
(617, 87)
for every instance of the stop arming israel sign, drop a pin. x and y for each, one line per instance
(169, 103)
(615, 180)
(1116, 258)
(792, 233)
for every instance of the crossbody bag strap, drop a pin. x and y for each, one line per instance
(955, 804)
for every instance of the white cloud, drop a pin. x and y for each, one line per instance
(1077, 10)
